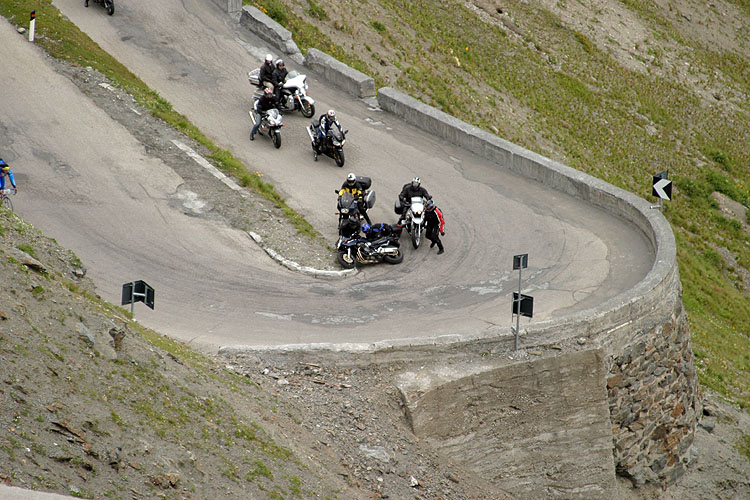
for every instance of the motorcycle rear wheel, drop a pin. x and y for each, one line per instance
(338, 157)
(276, 137)
(394, 259)
(307, 109)
(7, 204)
(346, 260)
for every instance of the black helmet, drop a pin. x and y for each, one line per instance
(429, 206)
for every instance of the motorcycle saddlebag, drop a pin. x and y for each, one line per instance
(365, 181)
(254, 76)
(398, 208)
(370, 199)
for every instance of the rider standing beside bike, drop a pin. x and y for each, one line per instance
(266, 102)
(6, 171)
(353, 186)
(434, 224)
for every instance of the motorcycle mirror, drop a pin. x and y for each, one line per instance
(346, 132)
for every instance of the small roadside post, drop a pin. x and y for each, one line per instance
(137, 291)
(523, 305)
(661, 187)
(32, 25)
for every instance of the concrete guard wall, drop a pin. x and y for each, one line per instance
(530, 411)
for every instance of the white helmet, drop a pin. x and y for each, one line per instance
(269, 58)
(331, 114)
(279, 62)
(351, 178)
(415, 182)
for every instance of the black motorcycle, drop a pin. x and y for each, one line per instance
(107, 4)
(332, 145)
(366, 250)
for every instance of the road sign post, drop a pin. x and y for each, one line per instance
(32, 25)
(137, 291)
(661, 187)
(520, 262)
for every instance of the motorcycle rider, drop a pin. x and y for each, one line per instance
(410, 189)
(279, 77)
(434, 223)
(266, 102)
(325, 122)
(6, 171)
(353, 186)
(265, 77)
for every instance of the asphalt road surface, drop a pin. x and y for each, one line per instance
(86, 181)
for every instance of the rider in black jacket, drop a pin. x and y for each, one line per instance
(265, 76)
(413, 188)
(279, 77)
(267, 101)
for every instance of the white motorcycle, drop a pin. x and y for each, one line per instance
(293, 93)
(270, 124)
(415, 221)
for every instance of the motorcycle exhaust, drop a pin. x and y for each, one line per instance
(310, 134)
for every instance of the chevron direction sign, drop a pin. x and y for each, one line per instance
(662, 187)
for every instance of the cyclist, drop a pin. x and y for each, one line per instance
(5, 171)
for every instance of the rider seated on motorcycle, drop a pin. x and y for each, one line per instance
(6, 171)
(411, 189)
(325, 122)
(266, 102)
(265, 76)
(353, 186)
(279, 77)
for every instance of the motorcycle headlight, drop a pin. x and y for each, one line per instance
(336, 143)
(344, 210)
(417, 213)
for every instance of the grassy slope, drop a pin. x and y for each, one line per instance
(585, 109)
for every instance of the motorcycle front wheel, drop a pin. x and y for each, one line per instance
(307, 109)
(338, 157)
(276, 136)
(346, 260)
(394, 259)
(416, 236)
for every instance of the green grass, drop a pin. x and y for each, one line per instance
(63, 40)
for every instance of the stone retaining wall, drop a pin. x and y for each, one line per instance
(641, 339)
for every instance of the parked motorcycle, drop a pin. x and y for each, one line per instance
(270, 124)
(293, 95)
(107, 4)
(415, 220)
(361, 250)
(332, 145)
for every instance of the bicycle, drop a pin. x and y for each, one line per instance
(7, 204)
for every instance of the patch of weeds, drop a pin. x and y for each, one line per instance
(258, 469)
(718, 156)
(117, 419)
(743, 445)
(378, 26)
(584, 41)
(295, 486)
(25, 247)
(316, 10)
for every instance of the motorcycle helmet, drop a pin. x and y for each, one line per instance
(331, 115)
(279, 63)
(429, 206)
(267, 91)
(351, 178)
(269, 58)
(415, 182)
(366, 227)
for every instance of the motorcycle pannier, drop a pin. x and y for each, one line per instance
(365, 181)
(254, 76)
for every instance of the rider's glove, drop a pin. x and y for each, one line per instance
(442, 233)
